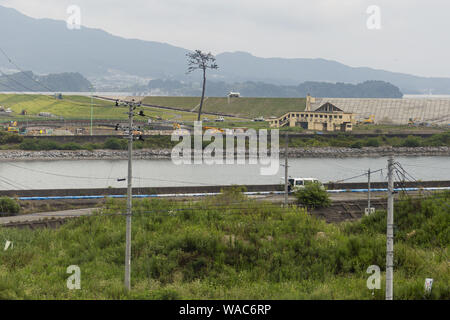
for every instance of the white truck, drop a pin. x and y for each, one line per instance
(295, 184)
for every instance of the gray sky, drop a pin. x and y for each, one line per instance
(413, 36)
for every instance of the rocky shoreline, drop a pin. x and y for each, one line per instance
(164, 154)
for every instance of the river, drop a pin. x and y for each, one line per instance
(79, 174)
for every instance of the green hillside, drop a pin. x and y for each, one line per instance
(76, 107)
(242, 107)
(229, 247)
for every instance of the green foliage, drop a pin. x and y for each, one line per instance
(313, 195)
(440, 139)
(115, 144)
(7, 137)
(356, 145)
(232, 249)
(71, 146)
(9, 206)
(424, 222)
(372, 142)
(39, 144)
(412, 142)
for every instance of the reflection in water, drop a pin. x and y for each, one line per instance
(80, 174)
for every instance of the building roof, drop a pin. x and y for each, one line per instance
(328, 107)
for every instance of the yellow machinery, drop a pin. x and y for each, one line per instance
(176, 126)
(214, 129)
(368, 120)
(13, 127)
(412, 122)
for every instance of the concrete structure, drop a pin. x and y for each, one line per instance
(434, 111)
(328, 117)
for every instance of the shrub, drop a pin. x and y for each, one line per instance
(92, 146)
(372, 142)
(115, 144)
(313, 195)
(29, 144)
(71, 146)
(356, 145)
(440, 139)
(6, 137)
(8, 205)
(36, 144)
(411, 142)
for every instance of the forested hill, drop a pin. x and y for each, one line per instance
(29, 82)
(367, 89)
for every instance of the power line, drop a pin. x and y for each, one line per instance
(12, 79)
(23, 72)
(7, 86)
(358, 176)
(102, 178)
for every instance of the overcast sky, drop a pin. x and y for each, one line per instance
(413, 37)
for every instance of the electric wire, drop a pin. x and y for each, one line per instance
(24, 73)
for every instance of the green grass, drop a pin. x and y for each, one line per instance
(77, 107)
(9, 141)
(242, 107)
(207, 250)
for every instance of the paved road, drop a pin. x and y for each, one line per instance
(48, 215)
(348, 196)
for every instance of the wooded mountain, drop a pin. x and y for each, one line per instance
(48, 46)
(28, 81)
(368, 89)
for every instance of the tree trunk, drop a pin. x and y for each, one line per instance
(203, 95)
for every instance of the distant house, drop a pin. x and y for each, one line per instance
(234, 95)
(327, 117)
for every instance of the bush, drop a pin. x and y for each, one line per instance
(372, 142)
(6, 137)
(313, 195)
(356, 145)
(115, 144)
(71, 146)
(36, 144)
(411, 142)
(8, 205)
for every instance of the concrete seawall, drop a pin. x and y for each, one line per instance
(204, 189)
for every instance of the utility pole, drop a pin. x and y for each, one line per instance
(368, 192)
(390, 233)
(286, 190)
(92, 106)
(131, 107)
(129, 197)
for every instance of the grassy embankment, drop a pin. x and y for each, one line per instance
(10, 141)
(207, 250)
(77, 108)
(243, 107)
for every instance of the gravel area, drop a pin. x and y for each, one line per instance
(322, 152)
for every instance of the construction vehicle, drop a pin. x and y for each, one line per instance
(12, 127)
(367, 120)
(176, 126)
(412, 121)
(214, 129)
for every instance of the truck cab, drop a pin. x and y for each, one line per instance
(295, 184)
